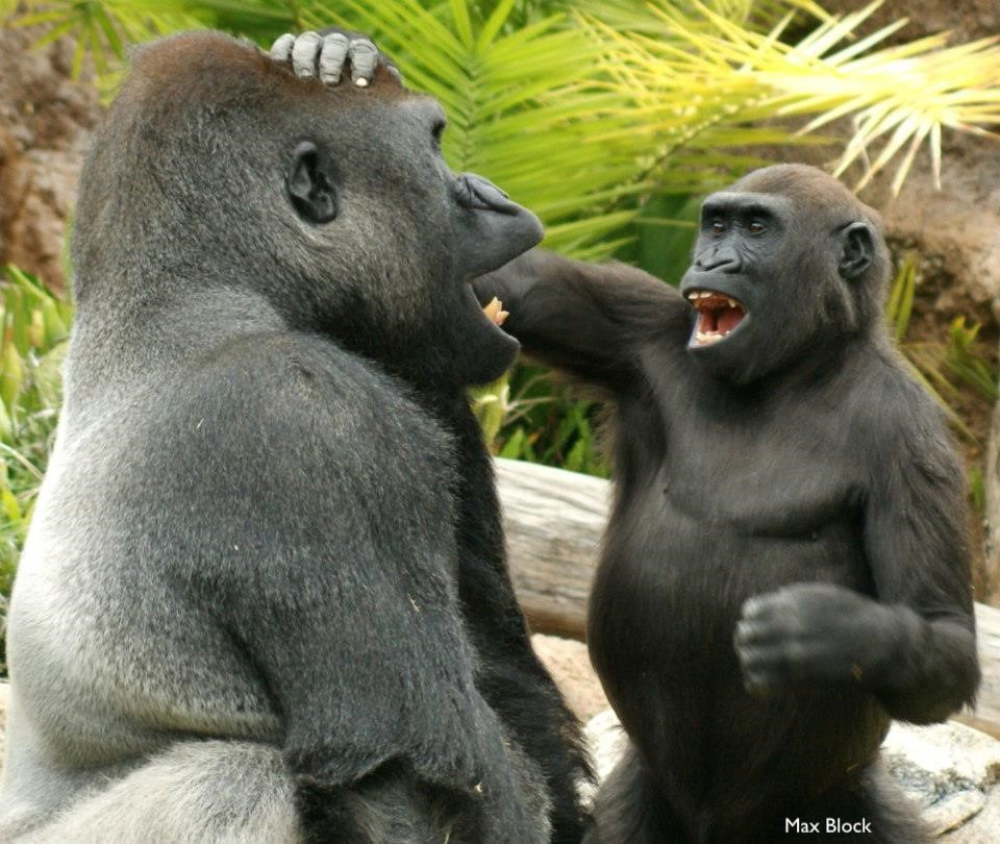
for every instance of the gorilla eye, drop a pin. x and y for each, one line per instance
(438, 132)
(718, 227)
(756, 227)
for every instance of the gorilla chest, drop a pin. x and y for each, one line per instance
(724, 512)
(734, 507)
(774, 483)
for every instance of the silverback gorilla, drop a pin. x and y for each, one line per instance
(264, 597)
(786, 566)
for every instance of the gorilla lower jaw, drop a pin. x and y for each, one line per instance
(718, 316)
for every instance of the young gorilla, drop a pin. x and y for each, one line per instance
(782, 481)
(263, 598)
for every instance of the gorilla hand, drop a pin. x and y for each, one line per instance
(327, 54)
(812, 634)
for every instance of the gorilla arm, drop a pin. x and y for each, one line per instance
(914, 647)
(337, 584)
(591, 320)
(917, 542)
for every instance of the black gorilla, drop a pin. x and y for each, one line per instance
(264, 597)
(782, 480)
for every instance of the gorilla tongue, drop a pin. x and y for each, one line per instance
(717, 315)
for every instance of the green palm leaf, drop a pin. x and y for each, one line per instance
(523, 105)
(102, 29)
(899, 97)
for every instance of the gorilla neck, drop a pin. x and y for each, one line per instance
(167, 326)
(804, 364)
(443, 353)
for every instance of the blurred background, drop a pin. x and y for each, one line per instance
(611, 119)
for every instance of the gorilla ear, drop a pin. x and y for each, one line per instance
(312, 184)
(859, 251)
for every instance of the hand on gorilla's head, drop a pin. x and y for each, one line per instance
(328, 55)
(445, 338)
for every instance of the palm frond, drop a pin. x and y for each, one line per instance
(102, 30)
(634, 17)
(899, 97)
(523, 105)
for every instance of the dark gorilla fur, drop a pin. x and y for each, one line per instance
(786, 567)
(265, 597)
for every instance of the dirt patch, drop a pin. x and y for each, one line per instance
(967, 19)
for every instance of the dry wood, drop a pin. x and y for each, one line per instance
(554, 520)
(986, 715)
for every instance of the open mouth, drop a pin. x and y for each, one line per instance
(718, 316)
(495, 313)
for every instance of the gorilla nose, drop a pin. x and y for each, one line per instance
(489, 229)
(720, 260)
(478, 193)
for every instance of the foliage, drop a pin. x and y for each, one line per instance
(696, 82)
(943, 367)
(610, 117)
(525, 416)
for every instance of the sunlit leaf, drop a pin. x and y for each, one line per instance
(899, 96)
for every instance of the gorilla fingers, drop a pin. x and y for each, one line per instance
(329, 53)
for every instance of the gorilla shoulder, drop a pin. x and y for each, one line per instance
(280, 393)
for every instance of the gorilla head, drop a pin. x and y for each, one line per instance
(787, 260)
(334, 204)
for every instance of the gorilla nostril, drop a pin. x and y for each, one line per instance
(726, 261)
(478, 193)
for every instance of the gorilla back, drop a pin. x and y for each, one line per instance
(237, 615)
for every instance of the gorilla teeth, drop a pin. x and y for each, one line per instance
(718, 315)
(495, 312)
(695, 295)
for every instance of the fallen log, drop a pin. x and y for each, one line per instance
(554, 520)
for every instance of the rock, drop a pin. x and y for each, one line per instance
(607, 742)
(46, 122)
(569, 663)
(952, 772)
(984, 828)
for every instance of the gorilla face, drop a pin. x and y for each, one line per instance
(768, 281)
(332, 203)
(429, 232)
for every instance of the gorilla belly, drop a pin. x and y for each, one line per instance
(669, 592)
